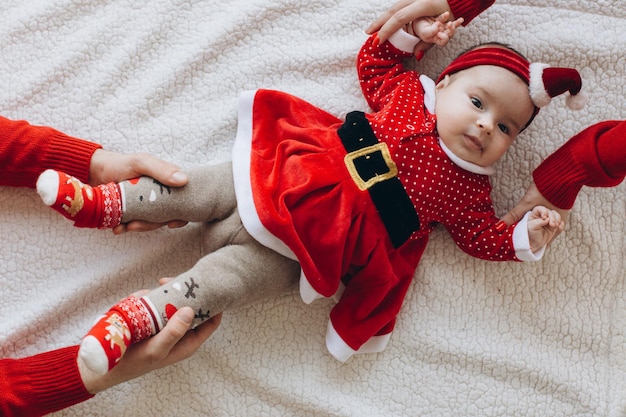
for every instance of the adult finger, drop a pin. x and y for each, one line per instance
(163, 342)
(514, 215)
(162, 171)
(192, 340)
(531, 198)
(165, 280)
(383, 18)
(421, 48)
(141, 226)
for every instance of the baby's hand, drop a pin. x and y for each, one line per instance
(543, 225)
(435, 30)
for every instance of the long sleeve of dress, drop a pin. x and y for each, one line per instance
(27, 150)
(41, 384)
(380, 76)
(380, 68)
(595, 157)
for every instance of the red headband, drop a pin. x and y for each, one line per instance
(544, 82)
(498, 56)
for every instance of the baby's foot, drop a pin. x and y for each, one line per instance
(126, 323)
(94, 207)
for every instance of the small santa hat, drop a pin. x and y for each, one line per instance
(547, 82)
(544, 82)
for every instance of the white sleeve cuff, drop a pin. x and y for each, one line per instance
(521, 242)
(342, 352)
(404, 41)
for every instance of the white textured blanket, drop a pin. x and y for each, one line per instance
(473, 339)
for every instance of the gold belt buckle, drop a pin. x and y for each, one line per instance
(366, 152)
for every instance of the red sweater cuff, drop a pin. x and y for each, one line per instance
(27, 150)
(611, 148)
(594, 157)
(70, 155)
(468, 9)
(41, 384)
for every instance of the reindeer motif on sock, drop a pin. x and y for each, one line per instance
(76, 203)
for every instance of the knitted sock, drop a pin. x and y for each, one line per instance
(129, 321)
(86, 206)
(135, 319)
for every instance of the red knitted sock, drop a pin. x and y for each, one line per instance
(86, 206)
(129, 321)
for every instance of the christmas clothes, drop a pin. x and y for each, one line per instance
(50, 381)
(595, 157)
(298, 195)
(44, 383)
(27, 150)
(41, 384)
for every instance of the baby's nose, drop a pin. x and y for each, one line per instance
(486, 126)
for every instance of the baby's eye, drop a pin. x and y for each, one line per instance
(503, 128)
(476, 102)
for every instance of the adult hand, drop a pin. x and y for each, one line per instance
(403, 12)
(173, 344)
(531, 199)
(107, 166)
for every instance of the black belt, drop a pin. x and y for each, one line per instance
(371, 167)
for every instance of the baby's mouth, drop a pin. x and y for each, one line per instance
(473, 142)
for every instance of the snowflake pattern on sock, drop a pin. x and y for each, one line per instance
(138, 318)
(112, 206)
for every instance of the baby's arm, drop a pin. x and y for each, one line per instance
(543, 225)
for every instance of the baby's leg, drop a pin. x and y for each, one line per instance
(209, 195)
(238, 274)
(232, 277)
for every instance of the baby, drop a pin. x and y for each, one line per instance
(344, 207)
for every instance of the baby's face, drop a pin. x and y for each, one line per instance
(480, 111)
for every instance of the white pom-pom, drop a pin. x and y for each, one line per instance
(576, 102)
(48, 186)
(93, 355)
(538, 93)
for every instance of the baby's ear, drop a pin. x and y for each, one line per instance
(443, 83)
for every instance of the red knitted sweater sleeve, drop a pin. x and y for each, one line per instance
(26, 151)
(469, 9)
(595, 157)
(41, 384)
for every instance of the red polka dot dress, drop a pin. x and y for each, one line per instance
(298, 195)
